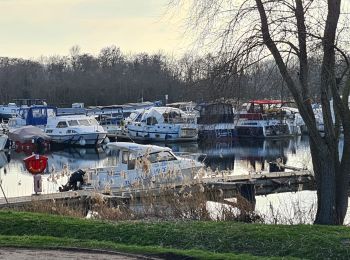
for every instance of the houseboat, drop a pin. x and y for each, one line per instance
(163, 124)
(143, 166)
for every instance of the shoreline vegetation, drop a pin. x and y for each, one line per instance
(176, 239)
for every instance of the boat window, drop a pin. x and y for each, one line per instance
(125, 157)
(161, 157)
(138, 118)
(50, 113)
(115, 153)
(152, 120)
(131, 162)
(84, 122)
(62, 124)
(73, 123)
(38, 113)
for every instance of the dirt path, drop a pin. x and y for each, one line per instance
(41, 254)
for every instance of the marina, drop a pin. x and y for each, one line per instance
(243, 163)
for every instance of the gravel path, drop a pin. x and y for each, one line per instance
(41, 254)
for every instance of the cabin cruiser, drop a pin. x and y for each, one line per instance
(109, 117)
(71, 130)
(163, 124)
(263, 119)
(143, 166)
(216, 120)
(79, 130)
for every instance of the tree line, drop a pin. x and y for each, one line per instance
(112, 77)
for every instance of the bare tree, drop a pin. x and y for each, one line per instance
(249, 31)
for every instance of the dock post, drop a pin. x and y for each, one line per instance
(247, 192)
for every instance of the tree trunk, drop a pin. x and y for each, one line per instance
(331, 185)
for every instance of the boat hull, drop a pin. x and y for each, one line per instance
(155, 135)
(90, 139)
(220, 130)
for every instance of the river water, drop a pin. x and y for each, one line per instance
(240, 157)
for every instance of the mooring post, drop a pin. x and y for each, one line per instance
(247, 191)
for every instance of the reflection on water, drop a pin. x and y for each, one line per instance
(239, 156)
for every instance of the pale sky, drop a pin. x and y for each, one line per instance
(30, 28)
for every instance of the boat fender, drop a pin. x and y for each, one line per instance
(82, 142)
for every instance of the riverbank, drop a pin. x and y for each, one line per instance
(197, 239)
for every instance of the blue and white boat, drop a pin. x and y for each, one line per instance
(12, 109)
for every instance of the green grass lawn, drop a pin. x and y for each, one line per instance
(204, 240)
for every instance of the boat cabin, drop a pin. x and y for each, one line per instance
(264, 109)
(215, 113)
(35, 116)
(127, 154)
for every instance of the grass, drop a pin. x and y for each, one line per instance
(197, 239)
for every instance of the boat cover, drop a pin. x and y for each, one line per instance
(27, 133)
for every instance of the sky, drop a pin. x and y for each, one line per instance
(31, 28)
(34, 28)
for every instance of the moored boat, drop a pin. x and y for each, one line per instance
(78, 130)
(263, 119)
(216, 120)
(163, 124)
(143, 166)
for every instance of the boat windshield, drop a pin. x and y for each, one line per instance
(84, 122)
(161, 156)
(73, 123)
(62, 124)
(93, 121)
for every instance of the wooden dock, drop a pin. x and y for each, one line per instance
(59, 196)
(226, 186)
(265, 183)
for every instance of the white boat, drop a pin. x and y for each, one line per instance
(79, 130)
(159, 124)
(71, 130)
(263, 119)
(8, 111)
(143, 167)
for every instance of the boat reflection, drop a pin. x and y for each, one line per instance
(232, 153)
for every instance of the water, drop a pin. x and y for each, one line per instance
(241, 157)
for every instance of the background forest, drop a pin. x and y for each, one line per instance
(112, 77)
